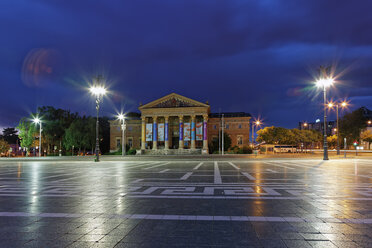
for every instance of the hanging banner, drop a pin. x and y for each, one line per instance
(149, 132)
(166, 131)
(205, 130)
(186, 131)
(161, 132)
(199, 131)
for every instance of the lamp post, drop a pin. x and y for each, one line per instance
(37, 120)
(306, 125)
(222, 136)
(257, 123)
(337, 105)
(98, 91)
(121, 117)
(324, 83)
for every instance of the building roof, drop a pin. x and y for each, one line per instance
(229, 114)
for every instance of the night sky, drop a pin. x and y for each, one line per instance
(259, 57)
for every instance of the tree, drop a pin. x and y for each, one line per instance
(4, 146)
(352, 124)
(74, 135)
(26, 133)
(214, 145)
(275, 135)
(56, 121)
(366, 136)
(283, 136)
(10, 135)
(332, 141)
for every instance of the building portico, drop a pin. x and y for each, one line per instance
(174, 122)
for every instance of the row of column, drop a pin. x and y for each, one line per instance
(166, 133)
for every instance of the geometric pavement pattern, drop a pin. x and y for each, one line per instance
(190, 202)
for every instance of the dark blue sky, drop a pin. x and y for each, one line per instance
(254, 56)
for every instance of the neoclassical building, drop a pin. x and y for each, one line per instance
(175, 124)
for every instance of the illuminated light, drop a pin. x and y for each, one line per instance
(369, 122)
(98, 90)
(305, 124)
(343, 104)
(121, 116)
(36, 120)
(324, 82)
(330, 105)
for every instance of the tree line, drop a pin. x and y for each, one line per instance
(63, 130)
(353, 127)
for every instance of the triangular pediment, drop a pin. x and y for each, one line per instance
(173, 100)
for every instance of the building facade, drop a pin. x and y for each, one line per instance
(236, 125)
(319, 126)
(132, 132)
(175, 124)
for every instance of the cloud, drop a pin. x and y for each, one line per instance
(249, 56)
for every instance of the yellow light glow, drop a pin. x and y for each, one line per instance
(330, 105)
(36, 120)
(343, 104)
(305, 124)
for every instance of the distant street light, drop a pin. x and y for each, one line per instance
(98, 91)
(37, 120)
(257, 123)
(121, 117)
(324, 82)
(369, 122)
(337, 105)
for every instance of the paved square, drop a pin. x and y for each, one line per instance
(195, 202)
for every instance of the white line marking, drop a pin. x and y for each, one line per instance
(248, 176)
(198, 166)
(187, 175)
(182, 217)
(164, 171)
(233, 165)
(155, 166)
(137, 180)
(217, 175)
(280, 166)
(271, 171)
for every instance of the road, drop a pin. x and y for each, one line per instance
(185, 202)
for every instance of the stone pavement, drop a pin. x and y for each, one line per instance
(170, 202)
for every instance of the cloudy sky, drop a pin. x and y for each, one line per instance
(259, 57)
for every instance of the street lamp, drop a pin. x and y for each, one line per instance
(325, 83)
(121, 117)
(257, 123)
(337, 105)
(37, 120)
(98, 91)
(369, 122)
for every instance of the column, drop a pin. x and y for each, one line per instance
(143, 134)
(205, 133)
(154, 134)
(193, 132)
(166, 132)
(180, 145)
